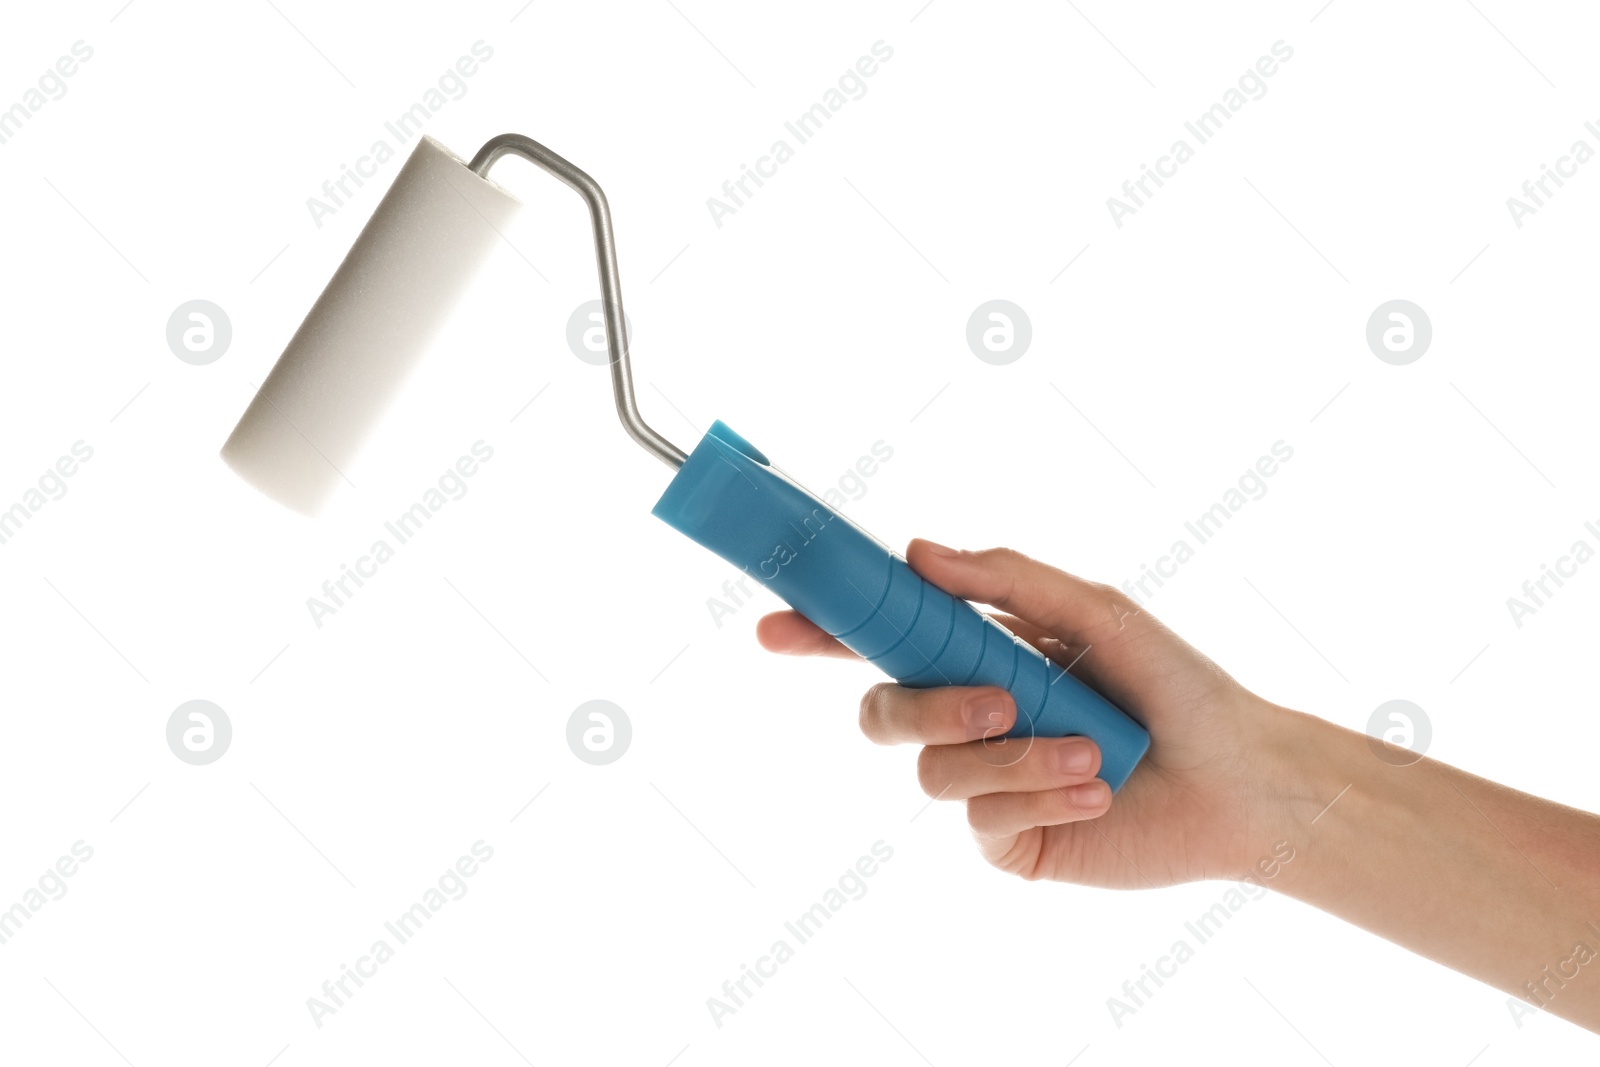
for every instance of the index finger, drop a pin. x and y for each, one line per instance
(793, 634)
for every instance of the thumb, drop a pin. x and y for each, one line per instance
(1071, 608)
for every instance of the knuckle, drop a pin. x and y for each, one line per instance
(1040, 808)
(1003, 565)
(1123, 604)
(1010, 563)
(1001, 557)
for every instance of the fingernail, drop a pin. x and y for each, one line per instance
(1089, 795)
(940, 550)
(1075, 757)
(988, 717)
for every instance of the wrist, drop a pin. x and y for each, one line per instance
(1305, 762)
(1304, 768)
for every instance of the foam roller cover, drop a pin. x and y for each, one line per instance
(399, 281)
(728, 497)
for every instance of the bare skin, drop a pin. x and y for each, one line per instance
(1488, 880)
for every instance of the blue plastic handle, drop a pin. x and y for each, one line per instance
(728, 497)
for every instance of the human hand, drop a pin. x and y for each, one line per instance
(1198, 805)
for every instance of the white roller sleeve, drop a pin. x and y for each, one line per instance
(361, 339)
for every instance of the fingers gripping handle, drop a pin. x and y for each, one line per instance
(728, 497)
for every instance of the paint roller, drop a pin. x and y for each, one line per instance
(400, 280)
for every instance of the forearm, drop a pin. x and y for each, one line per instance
(1487, 880)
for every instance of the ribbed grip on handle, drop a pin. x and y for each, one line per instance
(729, 498)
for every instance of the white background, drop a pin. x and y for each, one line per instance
(827, 314)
